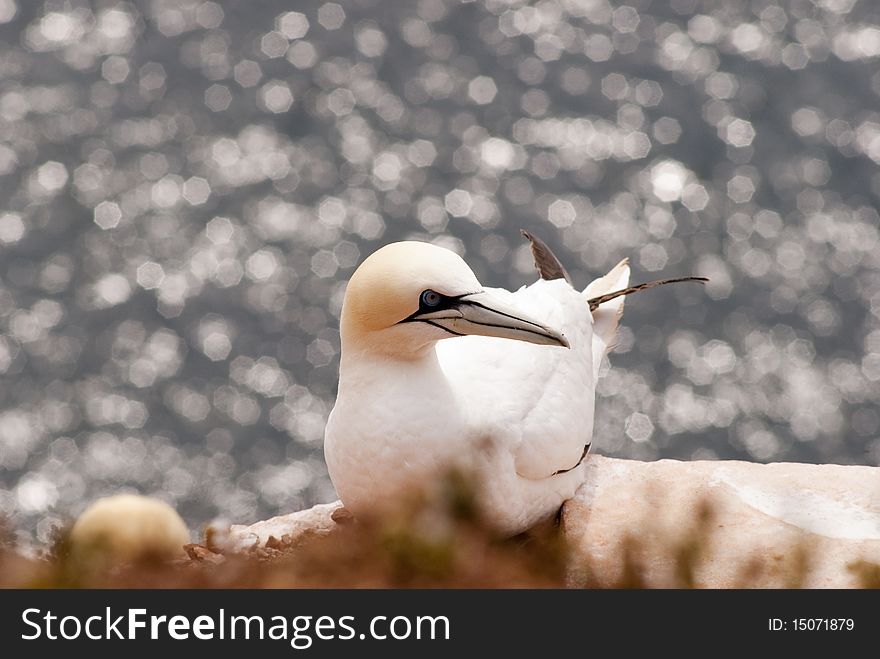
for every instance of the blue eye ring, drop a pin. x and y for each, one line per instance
(430, 299)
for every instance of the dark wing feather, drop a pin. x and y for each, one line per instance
(545, 260)
(596, 301)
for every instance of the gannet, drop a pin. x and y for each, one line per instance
(438, 372)
(127, 527)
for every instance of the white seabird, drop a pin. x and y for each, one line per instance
(129, 526)
(516, 414)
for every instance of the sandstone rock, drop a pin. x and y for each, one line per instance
(723, 524)
(317, 520)
(699, 524)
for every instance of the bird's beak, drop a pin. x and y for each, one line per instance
(486, 315)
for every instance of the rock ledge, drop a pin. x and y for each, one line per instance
(737, 523)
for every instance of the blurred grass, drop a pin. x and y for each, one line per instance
(434, 543)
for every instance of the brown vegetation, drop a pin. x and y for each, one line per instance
(443, 543)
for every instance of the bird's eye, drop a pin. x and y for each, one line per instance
(430, 298)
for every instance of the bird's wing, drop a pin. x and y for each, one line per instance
(606, 317)
(536, 400)
(549, 267)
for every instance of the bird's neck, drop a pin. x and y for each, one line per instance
(364, 363)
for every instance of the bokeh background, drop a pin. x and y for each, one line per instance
(186, 187)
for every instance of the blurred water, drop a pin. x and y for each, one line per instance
(186, 186)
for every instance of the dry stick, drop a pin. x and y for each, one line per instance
(596, 301)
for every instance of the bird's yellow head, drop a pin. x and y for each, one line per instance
(408, 295)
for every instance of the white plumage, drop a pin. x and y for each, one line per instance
(518, 414)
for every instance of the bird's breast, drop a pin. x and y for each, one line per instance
(392, 430)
